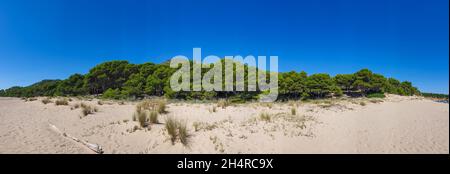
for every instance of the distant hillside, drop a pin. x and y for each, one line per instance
(434, 95)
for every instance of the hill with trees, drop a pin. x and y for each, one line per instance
(123, 80)
(434, 95)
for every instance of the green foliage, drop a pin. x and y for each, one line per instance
(408, 89)
(320, 85)
(378, 84)
(15, 91)
(134, 87)
(109, 75)
(376, 95)
(292, 85)
(156, 83)
(433, 95)
(344, 81)
(122, 80)
(73, 86)
(401, 88)
(362, 81)
(42, 88)
(115, 94)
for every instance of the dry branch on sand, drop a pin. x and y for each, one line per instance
(94, 147)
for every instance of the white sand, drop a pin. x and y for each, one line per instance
(397, 125)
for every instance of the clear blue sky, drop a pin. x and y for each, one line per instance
(51, 39)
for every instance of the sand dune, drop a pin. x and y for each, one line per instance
(396, 125)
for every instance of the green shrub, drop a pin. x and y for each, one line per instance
(434, 95)
(115, 94)
(122, 80)
(376, 95)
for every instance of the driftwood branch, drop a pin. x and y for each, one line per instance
(94, 147)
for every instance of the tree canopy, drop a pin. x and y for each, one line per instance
(123, 80)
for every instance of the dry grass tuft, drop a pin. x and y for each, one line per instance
(154, 117)
(75, 106)
(292, 103)
(177, 130)
(293, 111)
(141, 117)
(265, 117)
(153, 105)
(147, 111)
(161, 106)
(267, 104)
(30, 99)
(196, 126)
(204, 126)
(376, 101)
(87, 109)
(182, 133)
(46, 100)
(223, 103)
(63, 101)
(171, 127)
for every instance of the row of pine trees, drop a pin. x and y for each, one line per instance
(123, 80)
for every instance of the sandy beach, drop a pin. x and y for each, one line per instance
(392, 125)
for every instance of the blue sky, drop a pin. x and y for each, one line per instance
(51, 39)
